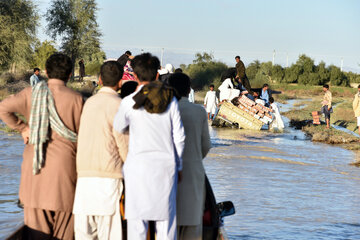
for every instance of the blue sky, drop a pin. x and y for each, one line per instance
(324, 30)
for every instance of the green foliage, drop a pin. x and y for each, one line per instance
(75, 22)
(252, 69)
(205, 71)
(337, 77)
(292, 74)
(42, 52)
(18, 22)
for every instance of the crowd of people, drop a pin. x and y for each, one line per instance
(80, 157)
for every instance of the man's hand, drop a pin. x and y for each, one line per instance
(179, 176)
(256, 94)
(25, 135)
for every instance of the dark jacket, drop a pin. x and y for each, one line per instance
(229, 73)
(240, 70)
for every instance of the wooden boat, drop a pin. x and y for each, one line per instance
(213, 224)
(234, 115)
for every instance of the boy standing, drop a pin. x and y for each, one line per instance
(101, 152)
(34, 79)
(210, 102)
(326, 104)
(156, 143)
(48, 171)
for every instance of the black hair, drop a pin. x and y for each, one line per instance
(265, 85)
(145, 67)
(359, 86)
(271, 99)
(59, 66)
(128, 88)
(212, 85)
(237, 57)
(111, 73)
(178, 70)
(36, 69)
(181, 83)
(326, 86)
(128, 53)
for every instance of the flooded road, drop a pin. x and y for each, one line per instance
(282, 185)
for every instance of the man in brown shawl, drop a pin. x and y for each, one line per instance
(48, 173)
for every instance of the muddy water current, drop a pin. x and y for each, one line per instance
(282, 185)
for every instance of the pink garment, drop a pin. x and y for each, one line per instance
(128, 73)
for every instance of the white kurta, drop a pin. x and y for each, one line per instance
(211, 101)
(278, 122)
(227, 91)
(191, 96)
(150, 170)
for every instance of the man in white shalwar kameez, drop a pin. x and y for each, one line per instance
(210, 102)
(156, 143)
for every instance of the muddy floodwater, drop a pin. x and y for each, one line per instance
(282, 185)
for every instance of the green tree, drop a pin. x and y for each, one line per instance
(252, 69)
(323, 73)
(337, 77)
(18, 22)
(74, 21)
(42, 52)
(205, 71)
(277, 73)
(292, 73)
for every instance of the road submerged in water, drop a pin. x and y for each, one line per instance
(283, 186)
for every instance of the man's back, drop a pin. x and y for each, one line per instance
(54, 187)
(197, 145)
(150, 167)
(101, 150)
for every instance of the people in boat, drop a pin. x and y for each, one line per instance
(100, 156)
(156, 143)
(48, 171)
(190, 193)
(278, 123)
(227, 90)
(356, 107)
(326, 108)
(265, 94)
(241, 76)
(210, 102)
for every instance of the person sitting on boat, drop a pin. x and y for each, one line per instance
(48, 171)
(278, 123)
(265, 94)
(191, 190)
(227, 90)
(100, 156)
(210, 102)
(156, 143)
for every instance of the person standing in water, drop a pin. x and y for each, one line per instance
(210, 102)
(156, 143)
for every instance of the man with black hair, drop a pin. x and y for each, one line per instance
(34, 79)
(241, 76)
(48, 171)
(100, 156)
(326, 108)
(124, 58)
(191, 190)
(265, 95)
(156, 143)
